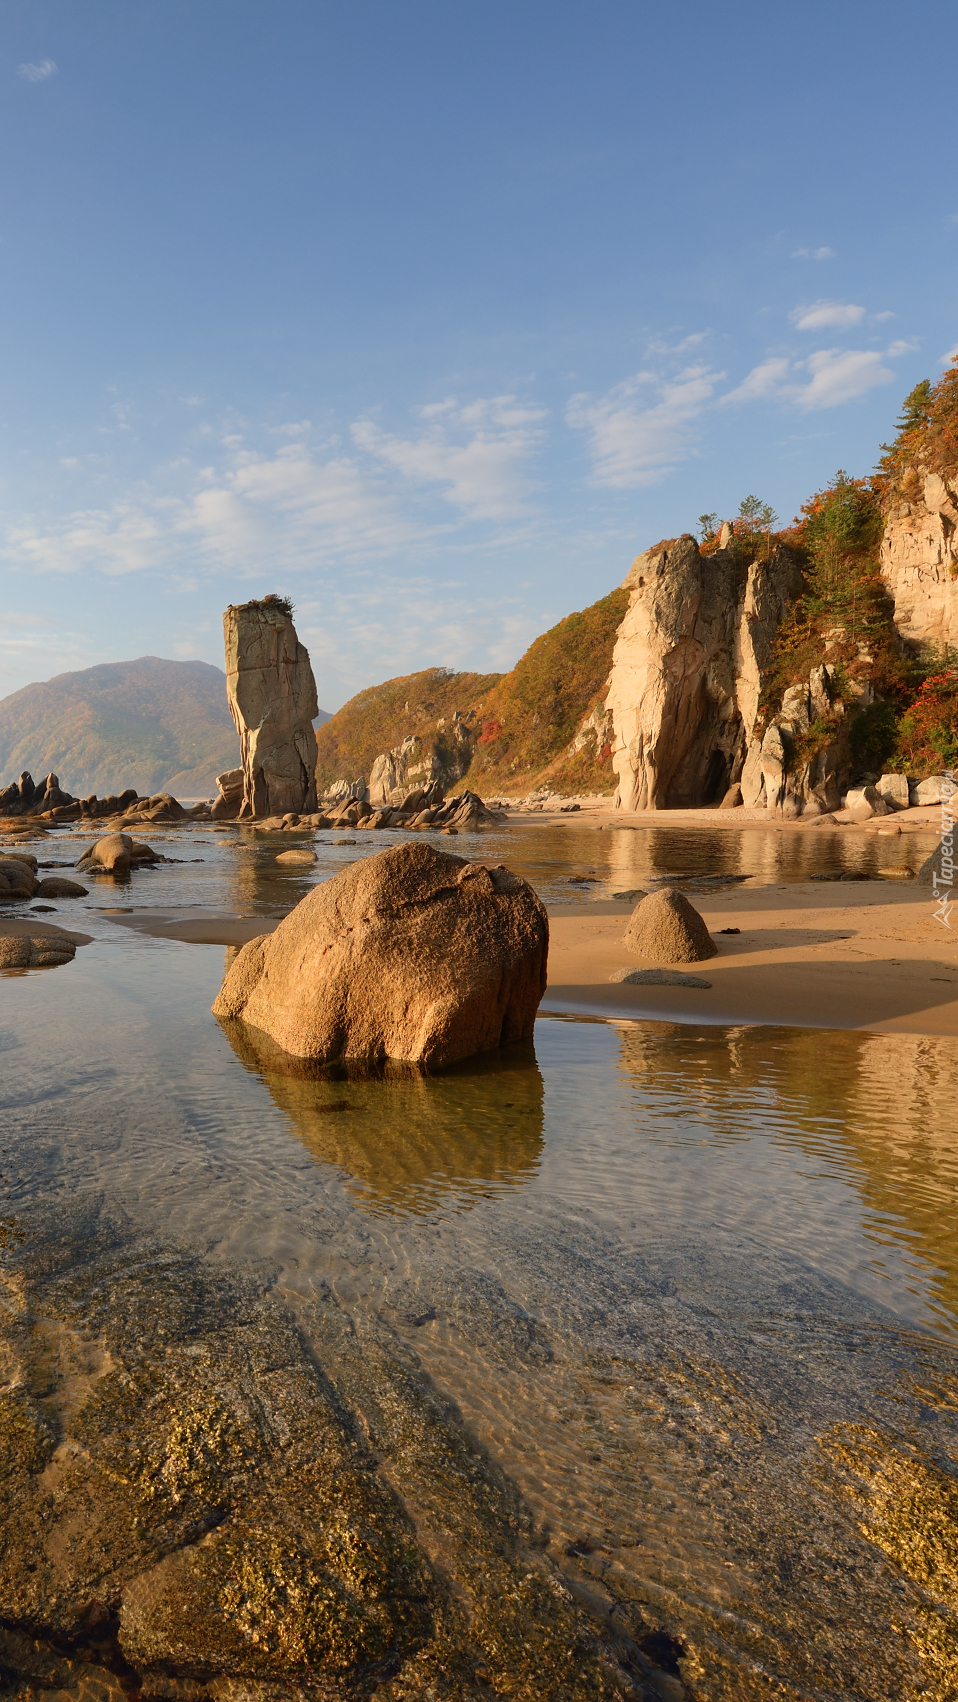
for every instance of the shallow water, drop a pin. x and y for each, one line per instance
(235, 869)
(695, 1289)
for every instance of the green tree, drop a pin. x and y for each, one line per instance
(708, 525)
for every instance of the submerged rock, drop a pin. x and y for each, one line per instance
(412, 954)
(666, 928)
(196, 1505)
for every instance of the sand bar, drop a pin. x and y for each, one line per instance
(853, 955)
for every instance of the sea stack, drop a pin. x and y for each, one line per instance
(272, 699)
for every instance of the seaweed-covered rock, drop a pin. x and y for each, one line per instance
(194, 1503)
(666, 928)
(412, 954)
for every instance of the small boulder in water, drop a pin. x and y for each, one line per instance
(666, 928)
(35, 951)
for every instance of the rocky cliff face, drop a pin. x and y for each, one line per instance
(414, 764)
(272, 699)
(687, 670)
(919, 559)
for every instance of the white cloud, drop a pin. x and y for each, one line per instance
(766, 379)
(879, 318)
(635, 443)
(813, 253)
(837, 375)
(840, 375)
(37, 73)
(297, 428)
(478, 450)
(286, 508)
(952, 355)
(901, 347)
(826, 313)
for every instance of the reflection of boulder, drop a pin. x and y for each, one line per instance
(407, 1140)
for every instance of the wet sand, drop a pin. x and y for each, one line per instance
(853, 955)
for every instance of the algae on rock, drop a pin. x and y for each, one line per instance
(188, 1500)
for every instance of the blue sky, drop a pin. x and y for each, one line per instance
(432, 315)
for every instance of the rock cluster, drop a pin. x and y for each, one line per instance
(454, 815)
(48, 802)
(412, 954)
(272, 699)
(24, 797)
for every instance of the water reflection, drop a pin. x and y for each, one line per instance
(410, 1144)
(875, 1113)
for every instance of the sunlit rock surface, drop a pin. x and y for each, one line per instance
(272, 699)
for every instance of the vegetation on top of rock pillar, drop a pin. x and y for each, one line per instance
(278, 605)
(752, 532)
(926, 440)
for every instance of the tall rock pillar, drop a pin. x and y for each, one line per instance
(272, 699)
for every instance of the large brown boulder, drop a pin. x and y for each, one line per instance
(272, 699)
(666, 928)
(410, 954)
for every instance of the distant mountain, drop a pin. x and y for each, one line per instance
(159, 726)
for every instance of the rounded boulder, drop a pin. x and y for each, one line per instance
(58, 886)
(666, 928)
(411, 954)
(35, 951)
(17, 877)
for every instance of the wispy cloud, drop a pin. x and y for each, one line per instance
(37, 73)
(294, 506)
(823, 314)
(635, 439)
(952, 355)
(766, 379)
(813, 253)
(837, 375)
(479, 451)
(840, 375)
